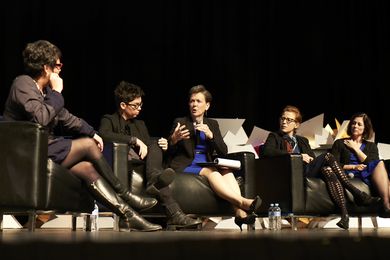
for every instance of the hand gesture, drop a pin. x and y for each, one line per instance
(99, 142)
(180, 133)
(352, 144)
(143, 149)
(163, 143)
(204, 128)
(56, 82)
(307, 158)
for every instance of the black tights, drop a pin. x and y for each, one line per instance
(83, 152)
(335, 188)
(341, 176)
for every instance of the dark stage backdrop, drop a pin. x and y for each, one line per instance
(254, 56)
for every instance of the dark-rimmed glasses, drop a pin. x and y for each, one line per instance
(135, 106)
(58, 65)
(288, 120)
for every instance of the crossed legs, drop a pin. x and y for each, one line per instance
(225, 186)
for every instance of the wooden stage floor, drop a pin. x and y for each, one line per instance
(330, 244)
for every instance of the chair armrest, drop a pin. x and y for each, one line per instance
(116, 155)
(280, 179)
(247, 169)
(23, 159)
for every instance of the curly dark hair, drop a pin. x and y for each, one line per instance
(37, 54)
(127, 92)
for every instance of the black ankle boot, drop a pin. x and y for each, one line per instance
(344, 222)
(363, 199)
(135, 201)
(129, 219)
(178, 220)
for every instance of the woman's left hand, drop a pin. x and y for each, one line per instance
(307, 158)
(99, 142)
(163, 143)
(205, 128)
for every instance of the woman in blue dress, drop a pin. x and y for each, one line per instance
(360, 157)
(195, 139)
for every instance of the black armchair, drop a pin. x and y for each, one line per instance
(31, 183)
(192, 192)
(281, 179)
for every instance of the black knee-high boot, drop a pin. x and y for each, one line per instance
(133, 200)
(361, 198)
(336, 192)
(129, 219)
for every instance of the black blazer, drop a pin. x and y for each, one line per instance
(275, 145)
(115, 128)
(181, 154)
(342, 153)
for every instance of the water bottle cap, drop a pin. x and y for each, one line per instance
(276, 204)
(271, 204)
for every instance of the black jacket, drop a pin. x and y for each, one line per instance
(181, 154)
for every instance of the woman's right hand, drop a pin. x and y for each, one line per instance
(143, 149)
(307, 158)
(56, 82)
(180, 133)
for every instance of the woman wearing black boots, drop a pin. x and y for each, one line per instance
(359, 157)
(36, 97)
(123, 126)
(286, 141)
(195, 139)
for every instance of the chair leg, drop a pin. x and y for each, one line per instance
(116, 222)
(32, 216)
(360, 225)
(293, 222)
(374, 221)
(251, 227)
(74, 222)
(1, 221)
(262, 224)
(87, 222)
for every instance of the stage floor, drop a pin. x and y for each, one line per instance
(329, 243)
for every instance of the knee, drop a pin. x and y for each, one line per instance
(329, 157)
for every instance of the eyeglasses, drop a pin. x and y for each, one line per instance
(288, 120)
(58, 65)
(135, 106)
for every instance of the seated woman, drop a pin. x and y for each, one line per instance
(286, 141)
(37, 97)
(360, 157)
(195, 139)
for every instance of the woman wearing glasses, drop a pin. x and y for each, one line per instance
(36, 97)
(286, 141)
(123, 126)
(195, 139)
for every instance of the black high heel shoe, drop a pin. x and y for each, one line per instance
(249, 220)
(255, 205)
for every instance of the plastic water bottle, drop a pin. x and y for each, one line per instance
(278, 217)
(95, 218)
(271, 217)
